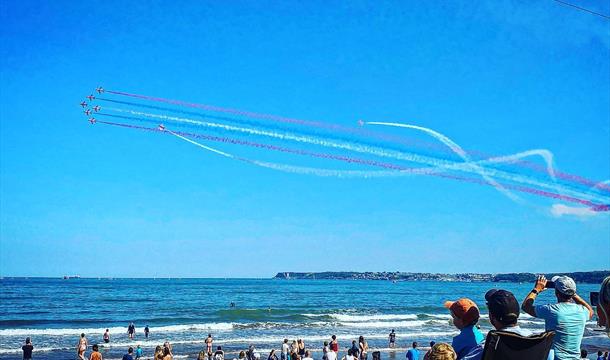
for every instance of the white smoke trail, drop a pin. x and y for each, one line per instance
(329, 172)
(438, 165)
(456, 149)
(202, 146)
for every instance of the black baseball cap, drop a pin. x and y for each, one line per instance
(503, 305)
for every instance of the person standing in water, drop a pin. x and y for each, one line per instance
(107, 337)
(131, 330)
(208, 343)
(82, 346)
(392, 338)
(28, 348)
(146, 331)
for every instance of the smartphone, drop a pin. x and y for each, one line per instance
(550, 284)
(594, 297)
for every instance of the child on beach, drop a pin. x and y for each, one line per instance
(465, 314)
(442, 351)
(95, 355)
(139, 352)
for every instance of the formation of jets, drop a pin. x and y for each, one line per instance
(97, 108)
(94, 109)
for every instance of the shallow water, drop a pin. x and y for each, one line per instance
(53, 312)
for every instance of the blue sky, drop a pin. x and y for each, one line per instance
(495, 76)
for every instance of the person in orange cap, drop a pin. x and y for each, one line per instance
(465, 314)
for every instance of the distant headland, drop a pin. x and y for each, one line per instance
(591, 277)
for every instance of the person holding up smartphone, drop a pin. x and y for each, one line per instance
(567, 317)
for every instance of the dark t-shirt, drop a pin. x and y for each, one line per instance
(127, 357)
(27, 351)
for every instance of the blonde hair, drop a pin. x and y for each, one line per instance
(442, 351)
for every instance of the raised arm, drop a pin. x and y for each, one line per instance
(580, 301)
(528, 303)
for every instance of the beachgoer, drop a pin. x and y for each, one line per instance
(250, 352)
(330, 355)
(503, 315)
(208, 343)
(272, 355)
(81, 347)
(27, 349)
(363, 347)
(129, 355)
(301, 347)
(167, 347)
(96, 354)
(139, 352)
(583, 354)
(606, 355)
(427, 355)
(202, 355)
(413, 353)
(285, 350)
(219, 354)
(294, 350)
(334, 344)
(567, 317)
(158, 353)
(167, 353)
(355, 349)
(307, 355)
(242, 355)
(107, 336)
(465, 315)
(600, 355)
(131, 330)
(349, 356)
(442, 351)
(146, 331)
(392, 338)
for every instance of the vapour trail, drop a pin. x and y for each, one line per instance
(403, 171)
(330, 126)
(338, 173)
(271, 126)
(546, 155)
(455, 148)
(231, 111)
(346, 159)
(438, 163)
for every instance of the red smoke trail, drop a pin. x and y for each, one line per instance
(593, 206)
(528, 164)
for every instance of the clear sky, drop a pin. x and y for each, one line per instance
(496, 76)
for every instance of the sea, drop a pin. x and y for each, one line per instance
(239, 313)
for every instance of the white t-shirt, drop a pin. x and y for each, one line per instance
(331, 355)
(307, 358)
(285, 348)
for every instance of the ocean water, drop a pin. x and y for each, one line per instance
(53, 312)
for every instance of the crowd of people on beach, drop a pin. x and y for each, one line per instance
(566, 318)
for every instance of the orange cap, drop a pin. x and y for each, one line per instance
(464, 309)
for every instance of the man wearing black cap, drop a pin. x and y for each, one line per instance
(503, 314)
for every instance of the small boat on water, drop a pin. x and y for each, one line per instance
(67, 277)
